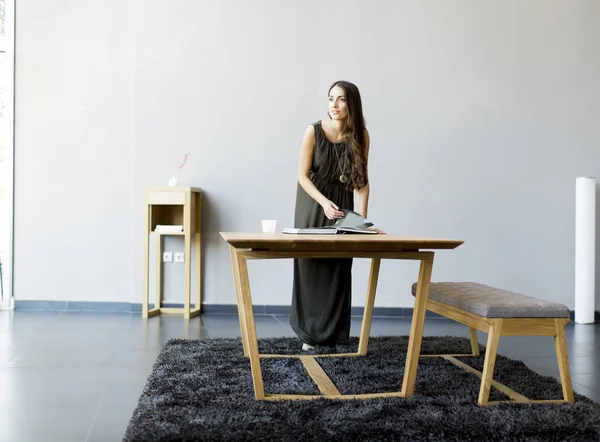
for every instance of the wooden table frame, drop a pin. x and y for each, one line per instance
(244, 247)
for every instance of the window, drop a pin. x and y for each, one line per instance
(2, 6)
(6, 150)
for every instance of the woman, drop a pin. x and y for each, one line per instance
(331, 172)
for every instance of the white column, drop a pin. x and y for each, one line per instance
(585, 247)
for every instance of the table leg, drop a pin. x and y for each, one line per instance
(159, 268)
(416, 328)
(145, 301)
(198, 237)
(198, 303)
(246, 298)
(187, 260)
(369, 303)
(238, 296)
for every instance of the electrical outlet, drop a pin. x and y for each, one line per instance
(167, 256)
(179, 257)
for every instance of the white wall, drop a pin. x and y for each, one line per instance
(74, 200)
(481, 115)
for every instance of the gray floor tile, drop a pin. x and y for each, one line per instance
(21, 320)
(585, 365)
(83, 321)
(578, 365)
(591, 381)
(535, 346)
(593, 395)
(84, 339)
(62, 358)
(136, 358)
(401, 327)
(228, 326)
(39, 394)
(14, 340)
(591, 347)
(6, 356)
(583, 332)
(381, 327)
(287, 332)
(156, 339)
(89, 374)
(543, 366)
(114, 411)
(50, 425)
(128, 374)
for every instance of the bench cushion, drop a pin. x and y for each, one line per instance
(491, 302)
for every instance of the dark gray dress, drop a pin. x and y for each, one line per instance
(321, 296)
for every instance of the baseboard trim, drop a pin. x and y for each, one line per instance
(207, 309)
(596, 316)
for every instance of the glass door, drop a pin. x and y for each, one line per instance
(6, 151)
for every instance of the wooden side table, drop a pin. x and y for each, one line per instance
(173, 206)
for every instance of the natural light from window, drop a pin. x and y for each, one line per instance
(6, 157)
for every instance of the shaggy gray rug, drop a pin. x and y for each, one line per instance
(202, 390)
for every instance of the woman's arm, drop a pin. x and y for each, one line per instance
(362, 194)
(306, 155)
(362, 200)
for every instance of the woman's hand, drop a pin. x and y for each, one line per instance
(331, 210)
(381, 232)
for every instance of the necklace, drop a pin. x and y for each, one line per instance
(343, 177)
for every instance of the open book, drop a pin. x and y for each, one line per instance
(351, 222)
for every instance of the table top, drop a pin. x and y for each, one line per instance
(173, 189)
(284, 241)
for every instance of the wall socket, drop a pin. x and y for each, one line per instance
(167, 256)
(179, 257)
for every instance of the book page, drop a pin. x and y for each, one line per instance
(352, 219)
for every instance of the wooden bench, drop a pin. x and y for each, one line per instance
(501, 313)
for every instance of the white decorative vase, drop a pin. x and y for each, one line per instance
(173, 181)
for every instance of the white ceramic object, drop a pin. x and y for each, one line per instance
(269, 225)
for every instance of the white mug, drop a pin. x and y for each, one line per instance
(269, 225)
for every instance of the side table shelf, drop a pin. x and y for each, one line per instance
(173, 206)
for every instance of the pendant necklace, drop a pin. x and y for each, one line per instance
(343, 177)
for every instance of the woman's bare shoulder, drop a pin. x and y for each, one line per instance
(312, 128)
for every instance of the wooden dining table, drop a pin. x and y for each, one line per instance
(246, 246)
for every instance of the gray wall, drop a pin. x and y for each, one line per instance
(481, 115)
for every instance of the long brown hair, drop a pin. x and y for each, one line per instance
(355, 161)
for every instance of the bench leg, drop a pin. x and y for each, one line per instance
(563, 360)
(490, 360)
(474, 341)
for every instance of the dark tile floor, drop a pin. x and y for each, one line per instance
(77, 376)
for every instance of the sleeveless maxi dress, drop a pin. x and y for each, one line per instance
(322, 287)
